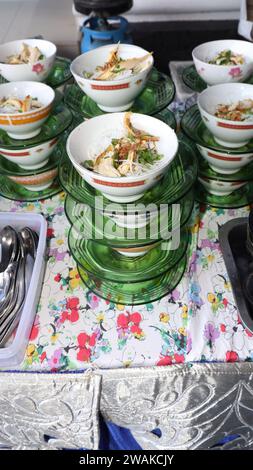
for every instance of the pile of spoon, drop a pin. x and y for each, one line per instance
(18, 253)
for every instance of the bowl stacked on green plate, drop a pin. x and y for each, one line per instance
(132, 257)
(225, 174)
(29, 166)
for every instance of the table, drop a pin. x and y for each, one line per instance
(107, 354)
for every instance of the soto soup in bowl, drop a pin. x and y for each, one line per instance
(24, 106)
(224, 61)
(104, 75)
(227, 111)
(27, 59)
(122, 154)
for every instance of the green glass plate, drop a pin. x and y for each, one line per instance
(194, 127)
(192, 79)
(178, 180)
(157, 95)
(59, 74)
(239, 198)
(108, 264)
(245, 174)
(58, 121)
(12, 169)
(16, 192)
(165, 115)
(94, 225)
(168, 117)
(136, 293)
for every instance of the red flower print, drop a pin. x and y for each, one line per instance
(57, 278)
(223, 328)
(64, 316)
(122, 321)
(43, 356)
(35, 329)
(85, 343)
(82, 339)
(34, 332)
(38, 68)
(165, 361)
(74, 316)
(179, 358)
(225, 302)
(135, 329)
(50, 232)
(72, 303)
(92, 340)
(231, 356)
(130, 323)
(84, 355)
(135, 318)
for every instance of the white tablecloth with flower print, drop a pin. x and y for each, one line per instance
(74, 329)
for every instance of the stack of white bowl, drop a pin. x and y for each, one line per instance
(224, 87)
(25, 79)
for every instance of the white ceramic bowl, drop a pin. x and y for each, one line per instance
(226, 163)
(215, 74)
(23, 72)
(136, 251)
(130, 220)
(31, 158)
(28, 124)
(85, 138)
(37, 182)
(220, 188)
(111, 95)
(231, 134)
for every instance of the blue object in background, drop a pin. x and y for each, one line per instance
(96, 34)
(113, 437)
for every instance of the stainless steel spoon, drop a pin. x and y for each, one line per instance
(11, 318)
(9, 246)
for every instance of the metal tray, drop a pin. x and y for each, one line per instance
(239, 264)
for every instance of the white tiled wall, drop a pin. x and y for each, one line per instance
(52, 19)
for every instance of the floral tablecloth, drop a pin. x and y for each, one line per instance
(74, 329)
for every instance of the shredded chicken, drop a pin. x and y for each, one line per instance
(131, 154)
(28, 55)
(241, 111)
(227, 57)
(16, 105)
(115, 67)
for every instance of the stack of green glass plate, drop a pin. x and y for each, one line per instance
(125, 257)
(222, 182)
(29, 167)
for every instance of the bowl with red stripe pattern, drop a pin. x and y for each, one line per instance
(38, 181)
(111, 95)
(30, 158)
(25, 125)
(229, 133)
(91, 138)
(220, 188)
(225, 162)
